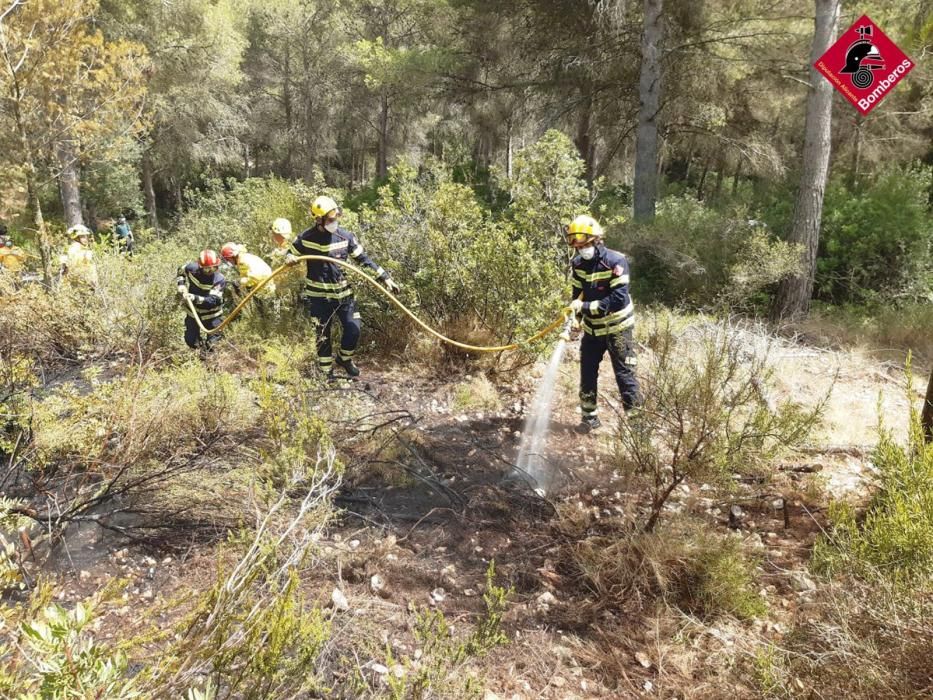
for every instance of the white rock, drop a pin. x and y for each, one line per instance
(84, 574)
(642, 658)
(339, 600)
(801, 582)
(438, 595)
(546, 600)
(380, 669)
(377, 584)
(354, 544)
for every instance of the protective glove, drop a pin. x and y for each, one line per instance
(291, 259)
(244, 281)
(576, 306)
(193, 298)
(392, 285)
(182, 289)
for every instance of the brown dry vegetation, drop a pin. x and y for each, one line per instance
(176, 494)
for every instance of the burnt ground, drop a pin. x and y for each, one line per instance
(428, 508)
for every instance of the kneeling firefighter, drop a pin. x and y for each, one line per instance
(601, 295)
(202, 284)
(327, 293)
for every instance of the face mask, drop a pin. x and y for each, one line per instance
(588, 252)
(331, 227)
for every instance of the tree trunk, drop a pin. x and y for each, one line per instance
(793, 297)
(149, 193)
(32, 185)
(926, 418)
(856, 152)
(382, 152)
(508, 151)
(703, 175)
(717, 189)
(584, 139)
(287, 104)
(735, 178)
(68, 183)
(649, 97)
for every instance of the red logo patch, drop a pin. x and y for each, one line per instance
(864, 65)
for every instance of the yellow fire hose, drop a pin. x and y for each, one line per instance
(355, 270)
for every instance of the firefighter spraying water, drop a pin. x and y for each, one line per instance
(601, 306)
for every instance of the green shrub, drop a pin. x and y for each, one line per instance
(241, 211)
(547, 190)
(894, 539)
(877, 238)
(695, 255)
(58, 657)
(474, 279)
(706, 415)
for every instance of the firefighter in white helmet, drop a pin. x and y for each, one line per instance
(78, 260)
(327, 293)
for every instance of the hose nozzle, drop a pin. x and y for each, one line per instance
(565, 330)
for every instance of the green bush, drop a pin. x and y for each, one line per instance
(472, 278)
(706, 416)
(695, 255)
(877, 237)
(242, 212)
(894, 539)
(547, 190)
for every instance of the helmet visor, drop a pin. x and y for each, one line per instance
(578, 239)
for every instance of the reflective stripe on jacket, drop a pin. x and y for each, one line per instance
(208, 288)
(604, 282)
(326, 280)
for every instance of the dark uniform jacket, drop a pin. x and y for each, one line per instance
(604, 280)
(326, 280)
(208, 290)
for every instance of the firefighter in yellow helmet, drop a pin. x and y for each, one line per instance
(601, 296)
(327, 293)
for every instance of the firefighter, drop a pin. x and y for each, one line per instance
(123, 236)
(281, 232)
(79, 258)
(202, 284)
(12, 258)
(601, 296)
(251, 268)
(327, 293)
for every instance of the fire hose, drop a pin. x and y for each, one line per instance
(562, 320)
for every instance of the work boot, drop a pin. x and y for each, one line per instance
(589, 422)
(351, 369)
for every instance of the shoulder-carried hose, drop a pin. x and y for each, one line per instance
(355, 270)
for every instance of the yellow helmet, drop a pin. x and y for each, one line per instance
(283, 227)
(583, 228)
(323, 205)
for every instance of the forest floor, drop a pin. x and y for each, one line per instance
(425, 513)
